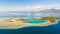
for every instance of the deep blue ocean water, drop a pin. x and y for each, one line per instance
(53, 29)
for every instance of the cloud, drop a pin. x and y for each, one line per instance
(28, 8)
(38, 8)
(9, 8)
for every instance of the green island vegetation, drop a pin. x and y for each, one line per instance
(51, 19)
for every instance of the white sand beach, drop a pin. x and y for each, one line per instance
(20, 24)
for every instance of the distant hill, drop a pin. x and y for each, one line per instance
(51, 10)
(42, 11)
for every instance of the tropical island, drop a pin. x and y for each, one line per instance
(15, 23)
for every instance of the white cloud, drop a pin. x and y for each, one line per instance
(28, 8)
(37, 8)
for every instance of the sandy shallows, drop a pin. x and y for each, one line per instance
(19, 24)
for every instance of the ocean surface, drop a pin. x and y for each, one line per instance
(52, 29)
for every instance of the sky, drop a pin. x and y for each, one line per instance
(28, 5)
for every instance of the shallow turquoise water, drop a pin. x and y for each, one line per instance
(34, 21)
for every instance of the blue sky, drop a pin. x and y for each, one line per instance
(27, 5)
(20, 5)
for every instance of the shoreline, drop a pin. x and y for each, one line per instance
(17, 25)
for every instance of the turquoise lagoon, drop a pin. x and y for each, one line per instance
(35, 21)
